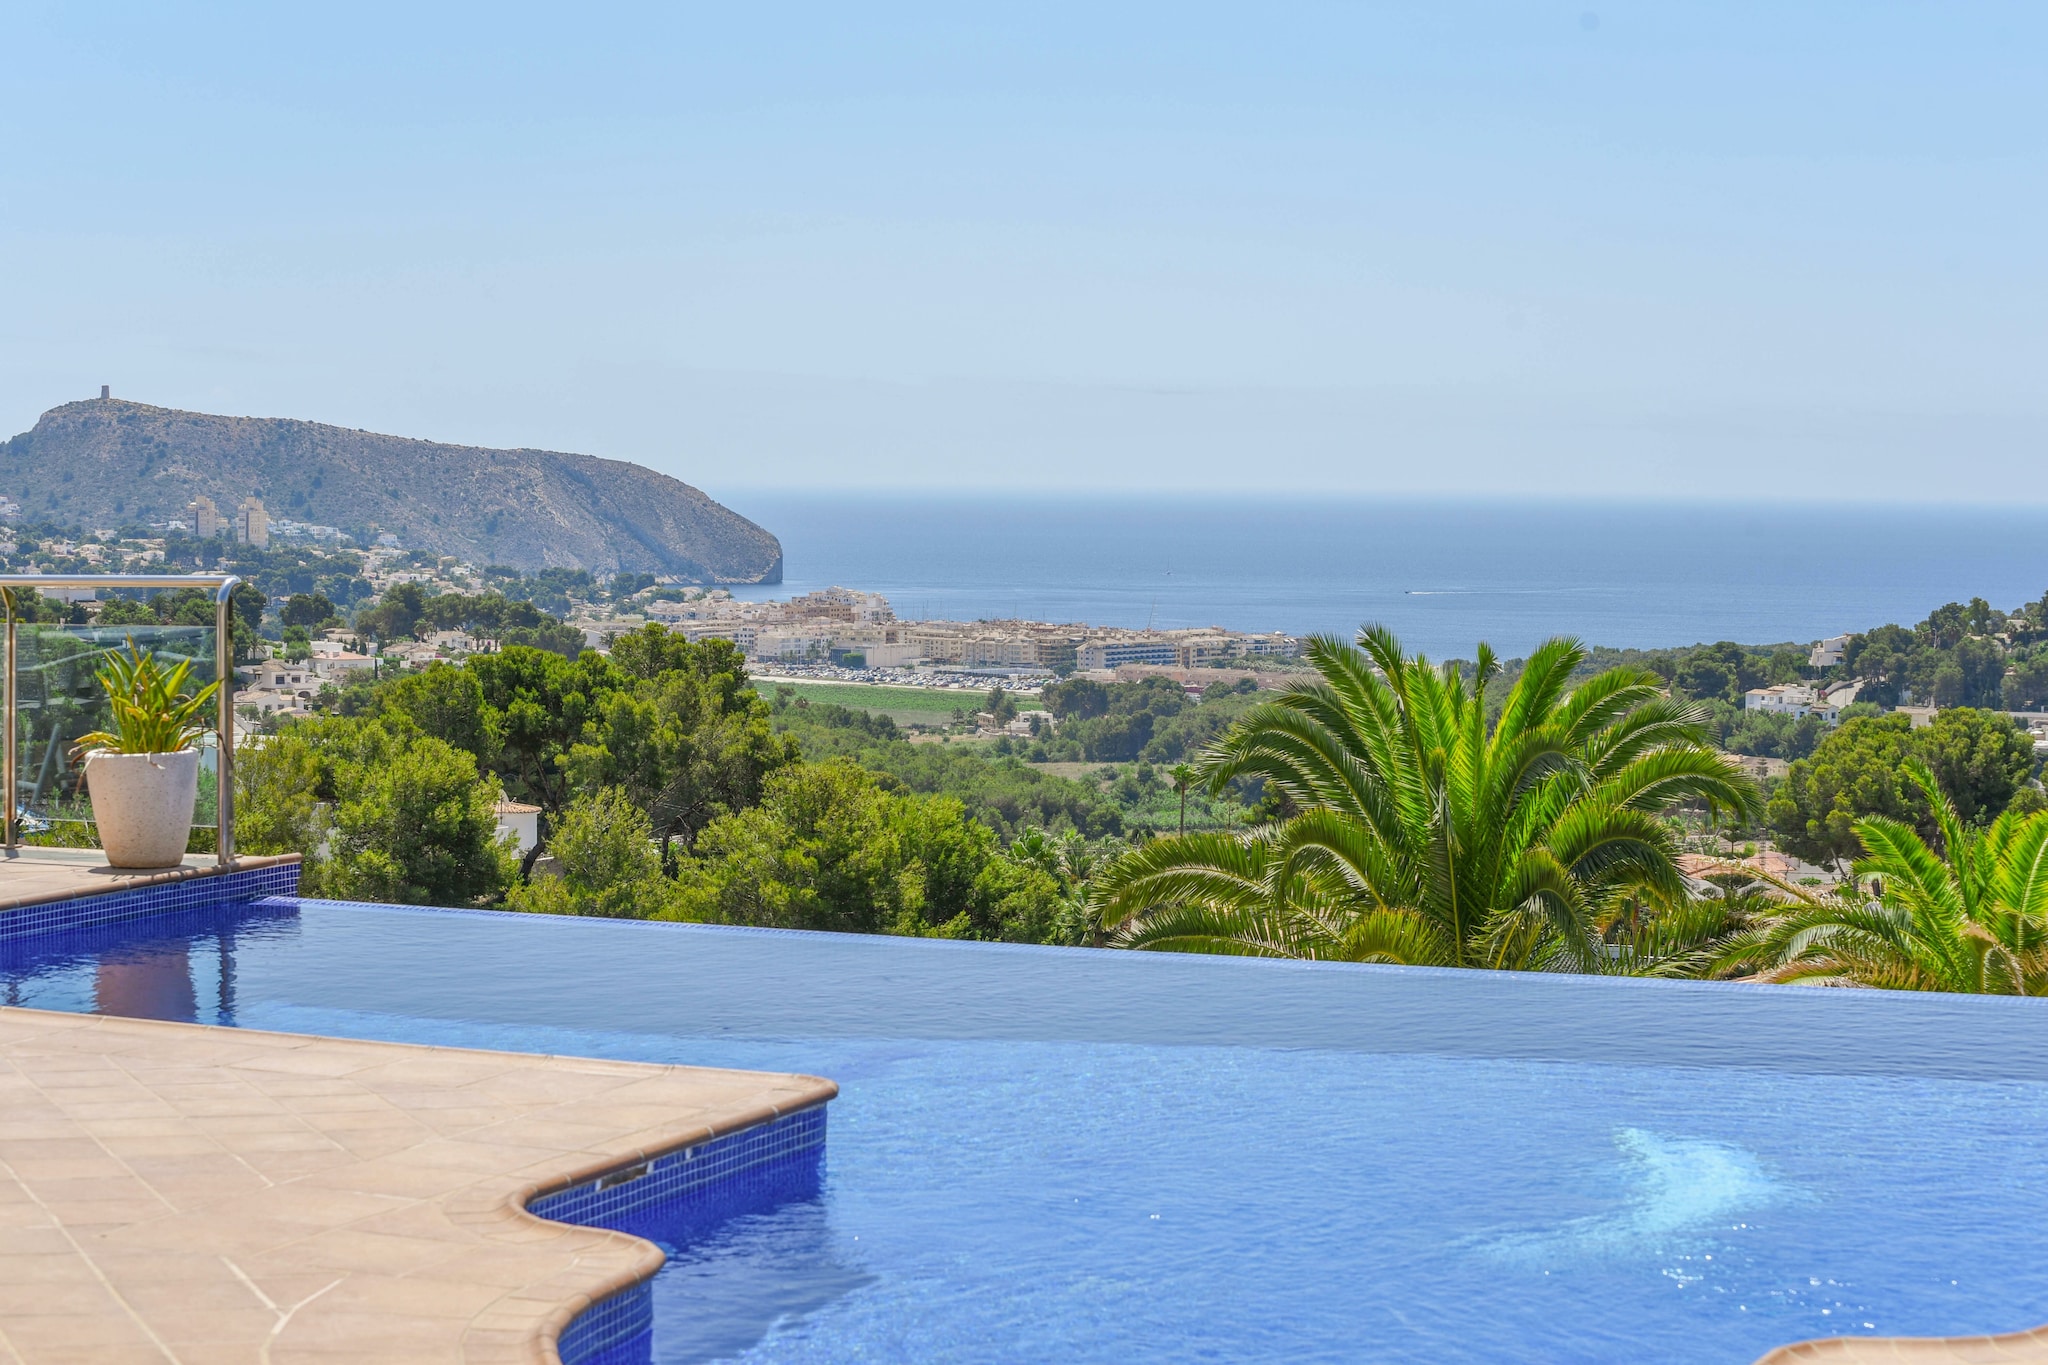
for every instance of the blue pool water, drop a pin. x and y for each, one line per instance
(1059, 1154)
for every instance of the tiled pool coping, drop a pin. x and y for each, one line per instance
(173, 1192)
(44, 891)
(2008, 1348)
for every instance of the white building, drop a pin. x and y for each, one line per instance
(791, 642)
(279, 676)
(279, 687)
(843, 604)
(522, 822)
(265, 702)
(411, 652)
(205, 517)
(888, 655)
(252, 523)
(741, 633)
(1127, 649)
(1828, 653)
(1793, 699)
(341, 666)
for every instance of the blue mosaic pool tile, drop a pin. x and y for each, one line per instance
(114, 907)
(669, 1199)
(615, 1331)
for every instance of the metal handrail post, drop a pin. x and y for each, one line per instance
(13, 825)
(224, 748)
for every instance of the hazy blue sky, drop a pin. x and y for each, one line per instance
(1657, 248)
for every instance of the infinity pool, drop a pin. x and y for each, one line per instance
(1059, 1154)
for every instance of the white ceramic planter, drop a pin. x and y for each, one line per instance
(143, 804)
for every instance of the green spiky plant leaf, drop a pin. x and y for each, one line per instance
(1427, 836)
(154, 711)
(1970, 915)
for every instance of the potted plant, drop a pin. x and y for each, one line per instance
(143, 774)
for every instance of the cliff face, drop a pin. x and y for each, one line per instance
(109, 462)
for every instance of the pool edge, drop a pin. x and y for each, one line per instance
(574, 1267)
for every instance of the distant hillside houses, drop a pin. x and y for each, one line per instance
(1799, 699)
(836, 623)
(1828, 653)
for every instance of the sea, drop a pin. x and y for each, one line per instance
(1444, 574)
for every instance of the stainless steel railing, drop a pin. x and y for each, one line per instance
(223, 585)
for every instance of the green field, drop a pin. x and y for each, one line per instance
(904, 705)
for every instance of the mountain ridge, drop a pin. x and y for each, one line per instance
(112, 461)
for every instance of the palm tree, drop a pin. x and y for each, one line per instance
(1183, 775)
(1074, 863)
(1974, 921)
(1426, 835)
(1650, 931)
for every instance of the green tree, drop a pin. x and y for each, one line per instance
(1424, 835)
(277, 799)
(609, 866)
(686, 739)
(396, 615)
(1659, 932)
(539, 706)
(830, 848)
(1001, 705)
(1859, 770)
(1981, 758)
(1719, 672)
(1076, 699)
(1008, 796)
(415, 823)
(1073, 862)
(381, 813)
(446, 701)
(1968, 913)
(306, 609)
(191, 607)
(1856, 771)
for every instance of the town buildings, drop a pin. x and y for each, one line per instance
(840, 625)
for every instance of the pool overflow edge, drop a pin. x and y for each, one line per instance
(748, 1169)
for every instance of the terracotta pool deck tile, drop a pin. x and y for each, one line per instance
(283, 1167)
(164, 1169)
(18, 1218)
(2005, 1349)
(104, 1354)
(42, 1122)
(55, 1296)
(106, 1326)
(575, 1133)
(65, 1267)
(160, 1136)
(214, 1179)
(236, 1103)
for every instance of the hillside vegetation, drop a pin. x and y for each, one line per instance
(108, 462)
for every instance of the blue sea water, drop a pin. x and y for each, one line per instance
(1443, 574)
(1061, 1154)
